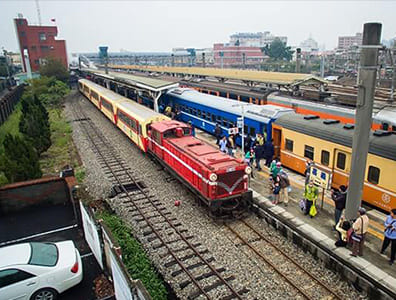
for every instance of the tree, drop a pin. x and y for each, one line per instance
(279, 51)
(19, 161)
(34, 123)
(54, 68)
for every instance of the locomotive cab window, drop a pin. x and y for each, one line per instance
(309, 152)
(289, 145)
(373, 175)
(325, 158)
(341, 160)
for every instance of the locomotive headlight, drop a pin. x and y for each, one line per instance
(213, 177)
(248, 170)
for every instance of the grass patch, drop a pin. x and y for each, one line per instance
(11, 125)
(79, 173)
(134, 257)
(62, 151)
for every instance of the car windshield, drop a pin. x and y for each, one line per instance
(43, 254)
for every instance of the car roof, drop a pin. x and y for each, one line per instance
(15, 255)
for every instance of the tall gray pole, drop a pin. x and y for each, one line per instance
(363, 117)
(393, 63)
(298, 60)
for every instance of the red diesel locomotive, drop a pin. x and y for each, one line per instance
(220, 180)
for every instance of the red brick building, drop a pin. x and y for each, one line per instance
(237, 56)
(40, 42)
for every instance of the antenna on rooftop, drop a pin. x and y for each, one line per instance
(38, 11)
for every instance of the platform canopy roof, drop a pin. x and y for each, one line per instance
(278, 78)
(151, 84)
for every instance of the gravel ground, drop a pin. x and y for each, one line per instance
(261, 281)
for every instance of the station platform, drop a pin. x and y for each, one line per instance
(321, 226)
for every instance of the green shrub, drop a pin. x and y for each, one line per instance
(134, 257)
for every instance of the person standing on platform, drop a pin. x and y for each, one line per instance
(284, 186)
(339, 198)
(248, 142)
(192, 128)
(310, 195)
(275, 171)
(360, 227)
(230, 145)
(269, 152)
(249, 158)
(390, 235)
(260, 139)
(259, 152)
(223, 145)
(308, 165)
(276, 187)
(217, 132)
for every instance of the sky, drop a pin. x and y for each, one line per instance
(163, 25)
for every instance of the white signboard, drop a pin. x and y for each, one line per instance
(122, 291)
(239, 122)
(91, 235)
(234, 130)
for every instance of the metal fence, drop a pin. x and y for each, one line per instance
(8, 102)
(108, 254)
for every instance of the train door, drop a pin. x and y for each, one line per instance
(157, 142)
(277, 137)
(341, 167)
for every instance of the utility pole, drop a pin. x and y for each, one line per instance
(244, 60)
(221, 59)
(322, 63)
(298, 60)
(203, 59)
(364, 110)
(393, 64)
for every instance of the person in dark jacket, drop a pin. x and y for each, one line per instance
(269, 152)
(248, 142)
(339, 198)
(217, 132)
(259, 153)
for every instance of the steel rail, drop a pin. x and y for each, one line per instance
(150, 224)
(291, 259)
(300, 290)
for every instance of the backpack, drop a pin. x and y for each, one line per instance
(285, 182)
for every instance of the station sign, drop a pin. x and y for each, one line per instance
(320, 176)
(234, 130)
(239, 122)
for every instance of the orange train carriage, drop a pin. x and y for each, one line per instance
(328, 143)
(220, 180)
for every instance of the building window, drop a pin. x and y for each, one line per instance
(42, 36)
(373, 175)
(309, 152)
(23, 33)
(341, 158)
(289, 145)
(325, 158)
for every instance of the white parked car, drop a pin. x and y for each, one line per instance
(38, 271)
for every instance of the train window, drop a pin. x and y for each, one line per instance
(194, 111)
(385, 126)
(252, 131)
(289, 145)
(341, 159)
(203, 115)
(80, 85)
(373, 175)
(325, 157)
(107, 105)
(199, 113)
(394, 128)
(95, 95)
(214, 118)
(233, 96)
(208, 116)
(309, 152)
(223, 94)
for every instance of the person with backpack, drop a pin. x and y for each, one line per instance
(390, 235)
(217, 132)
(284, 186)
(311, 193)
(275, 186)
(339, 198)
(249, 158)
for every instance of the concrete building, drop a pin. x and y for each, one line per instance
(40, 43)
(258, 39)
(345, 42)
(236, 56)
(309, 45)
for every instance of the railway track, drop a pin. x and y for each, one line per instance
(306, 284)
(192, 265)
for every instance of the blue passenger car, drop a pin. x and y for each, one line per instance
(204, 111)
